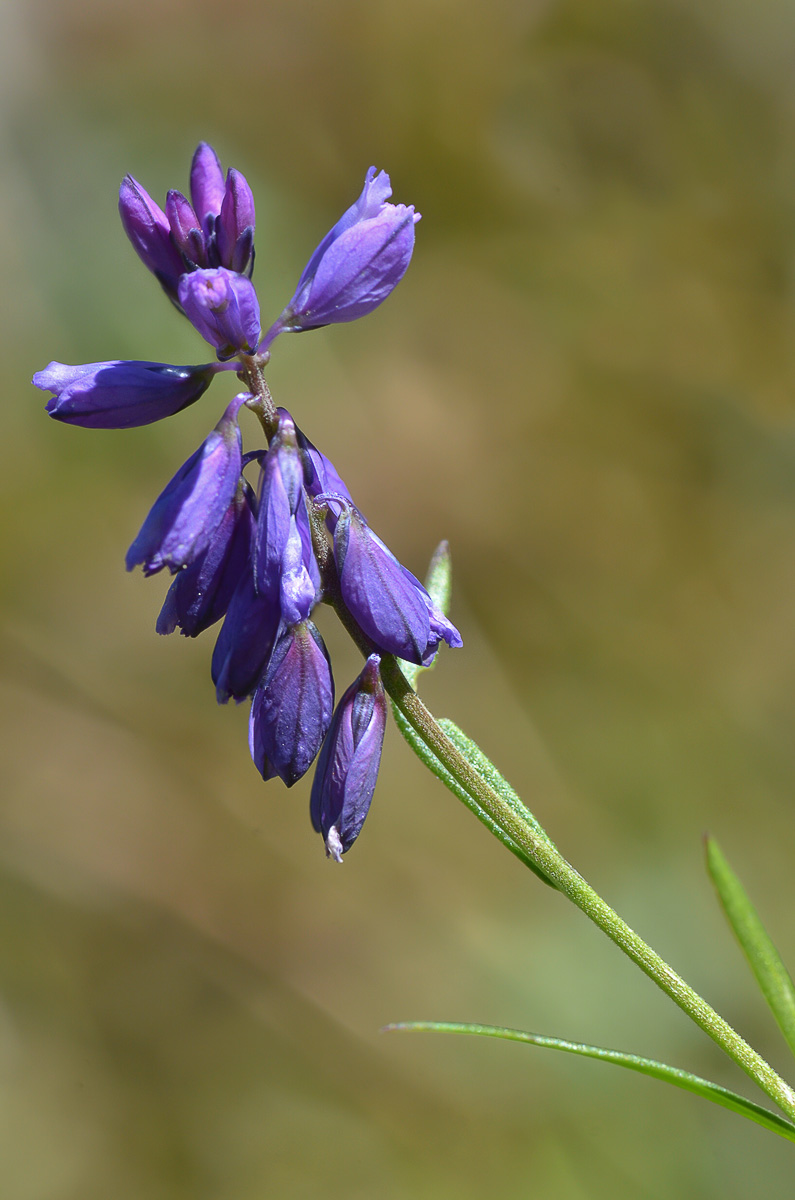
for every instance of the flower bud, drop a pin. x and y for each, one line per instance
(234, 229)
(206, 185)
(348, 765)
(188, 511)
(284, 559)
(245, 641)
(201, 593)
(147, 227)
(358, 263)
(120, 395)
(223, 306)
(186, 230)
(292, 706)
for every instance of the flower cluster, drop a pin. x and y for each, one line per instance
(260, 559)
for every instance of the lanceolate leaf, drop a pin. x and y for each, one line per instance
(429, 759)
(765, 961)
(646, 1066)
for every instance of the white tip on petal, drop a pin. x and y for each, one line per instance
(334, 845)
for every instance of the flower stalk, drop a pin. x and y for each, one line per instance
(541, 851)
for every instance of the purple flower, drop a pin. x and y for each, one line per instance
(292, 706)
(120, 395)
(320, 474)
(187, 513)
(348, 765)
(148, 228)
(216, 230)
(225, 211)
(245, 642)
(223, 306)
(201, 593)
(357, 264)
(284, 560)
(390, 605)
(234, 229)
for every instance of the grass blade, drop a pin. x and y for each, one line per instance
(765, 961)
(646, 1066)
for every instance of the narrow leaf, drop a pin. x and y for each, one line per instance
(765, 961)
(487, 771)
(439, 585)
(429, 759)
(646, 1066)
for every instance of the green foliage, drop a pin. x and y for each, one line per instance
(646, 1066)
(772, 976)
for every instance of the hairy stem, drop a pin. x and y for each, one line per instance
(552, 863)
(538, 849)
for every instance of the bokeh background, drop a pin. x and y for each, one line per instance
(586, 382)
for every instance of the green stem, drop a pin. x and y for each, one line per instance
(551, 863)
(512, 821)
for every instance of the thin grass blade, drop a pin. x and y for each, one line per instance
(764, 959)
(632, 1062)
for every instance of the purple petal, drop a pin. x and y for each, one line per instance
(186, 229)
(348, 765)
(206, 184)
(357, 264)
(201, 593)
(187, 513)
(390, 610)
(359, 270)
(292, 706)
(245, 642)
(235, 227)
(147, 227)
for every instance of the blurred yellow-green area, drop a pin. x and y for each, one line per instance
(587, 383)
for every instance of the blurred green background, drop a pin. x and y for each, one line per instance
(586, 383)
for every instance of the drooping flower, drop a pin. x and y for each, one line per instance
(245, 641)
(356, 265)
(223, 306)
(292, 707)
(348, 765)
(388, 602)
(201, 593)
(284, 560)
(190, 508)
(121, 395)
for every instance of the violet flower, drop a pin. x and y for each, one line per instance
(148, 228)
(118, 394)
(245, 642)
(390, 605)
(284, 562)
(357, 264)
(348, 765)
(201, 593)
(292, 707)
(223, 306)
(190, 508)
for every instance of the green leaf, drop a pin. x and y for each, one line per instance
(430, 760)
(765, 961)
(646, 1066)
(487, 770)
(439, 584)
